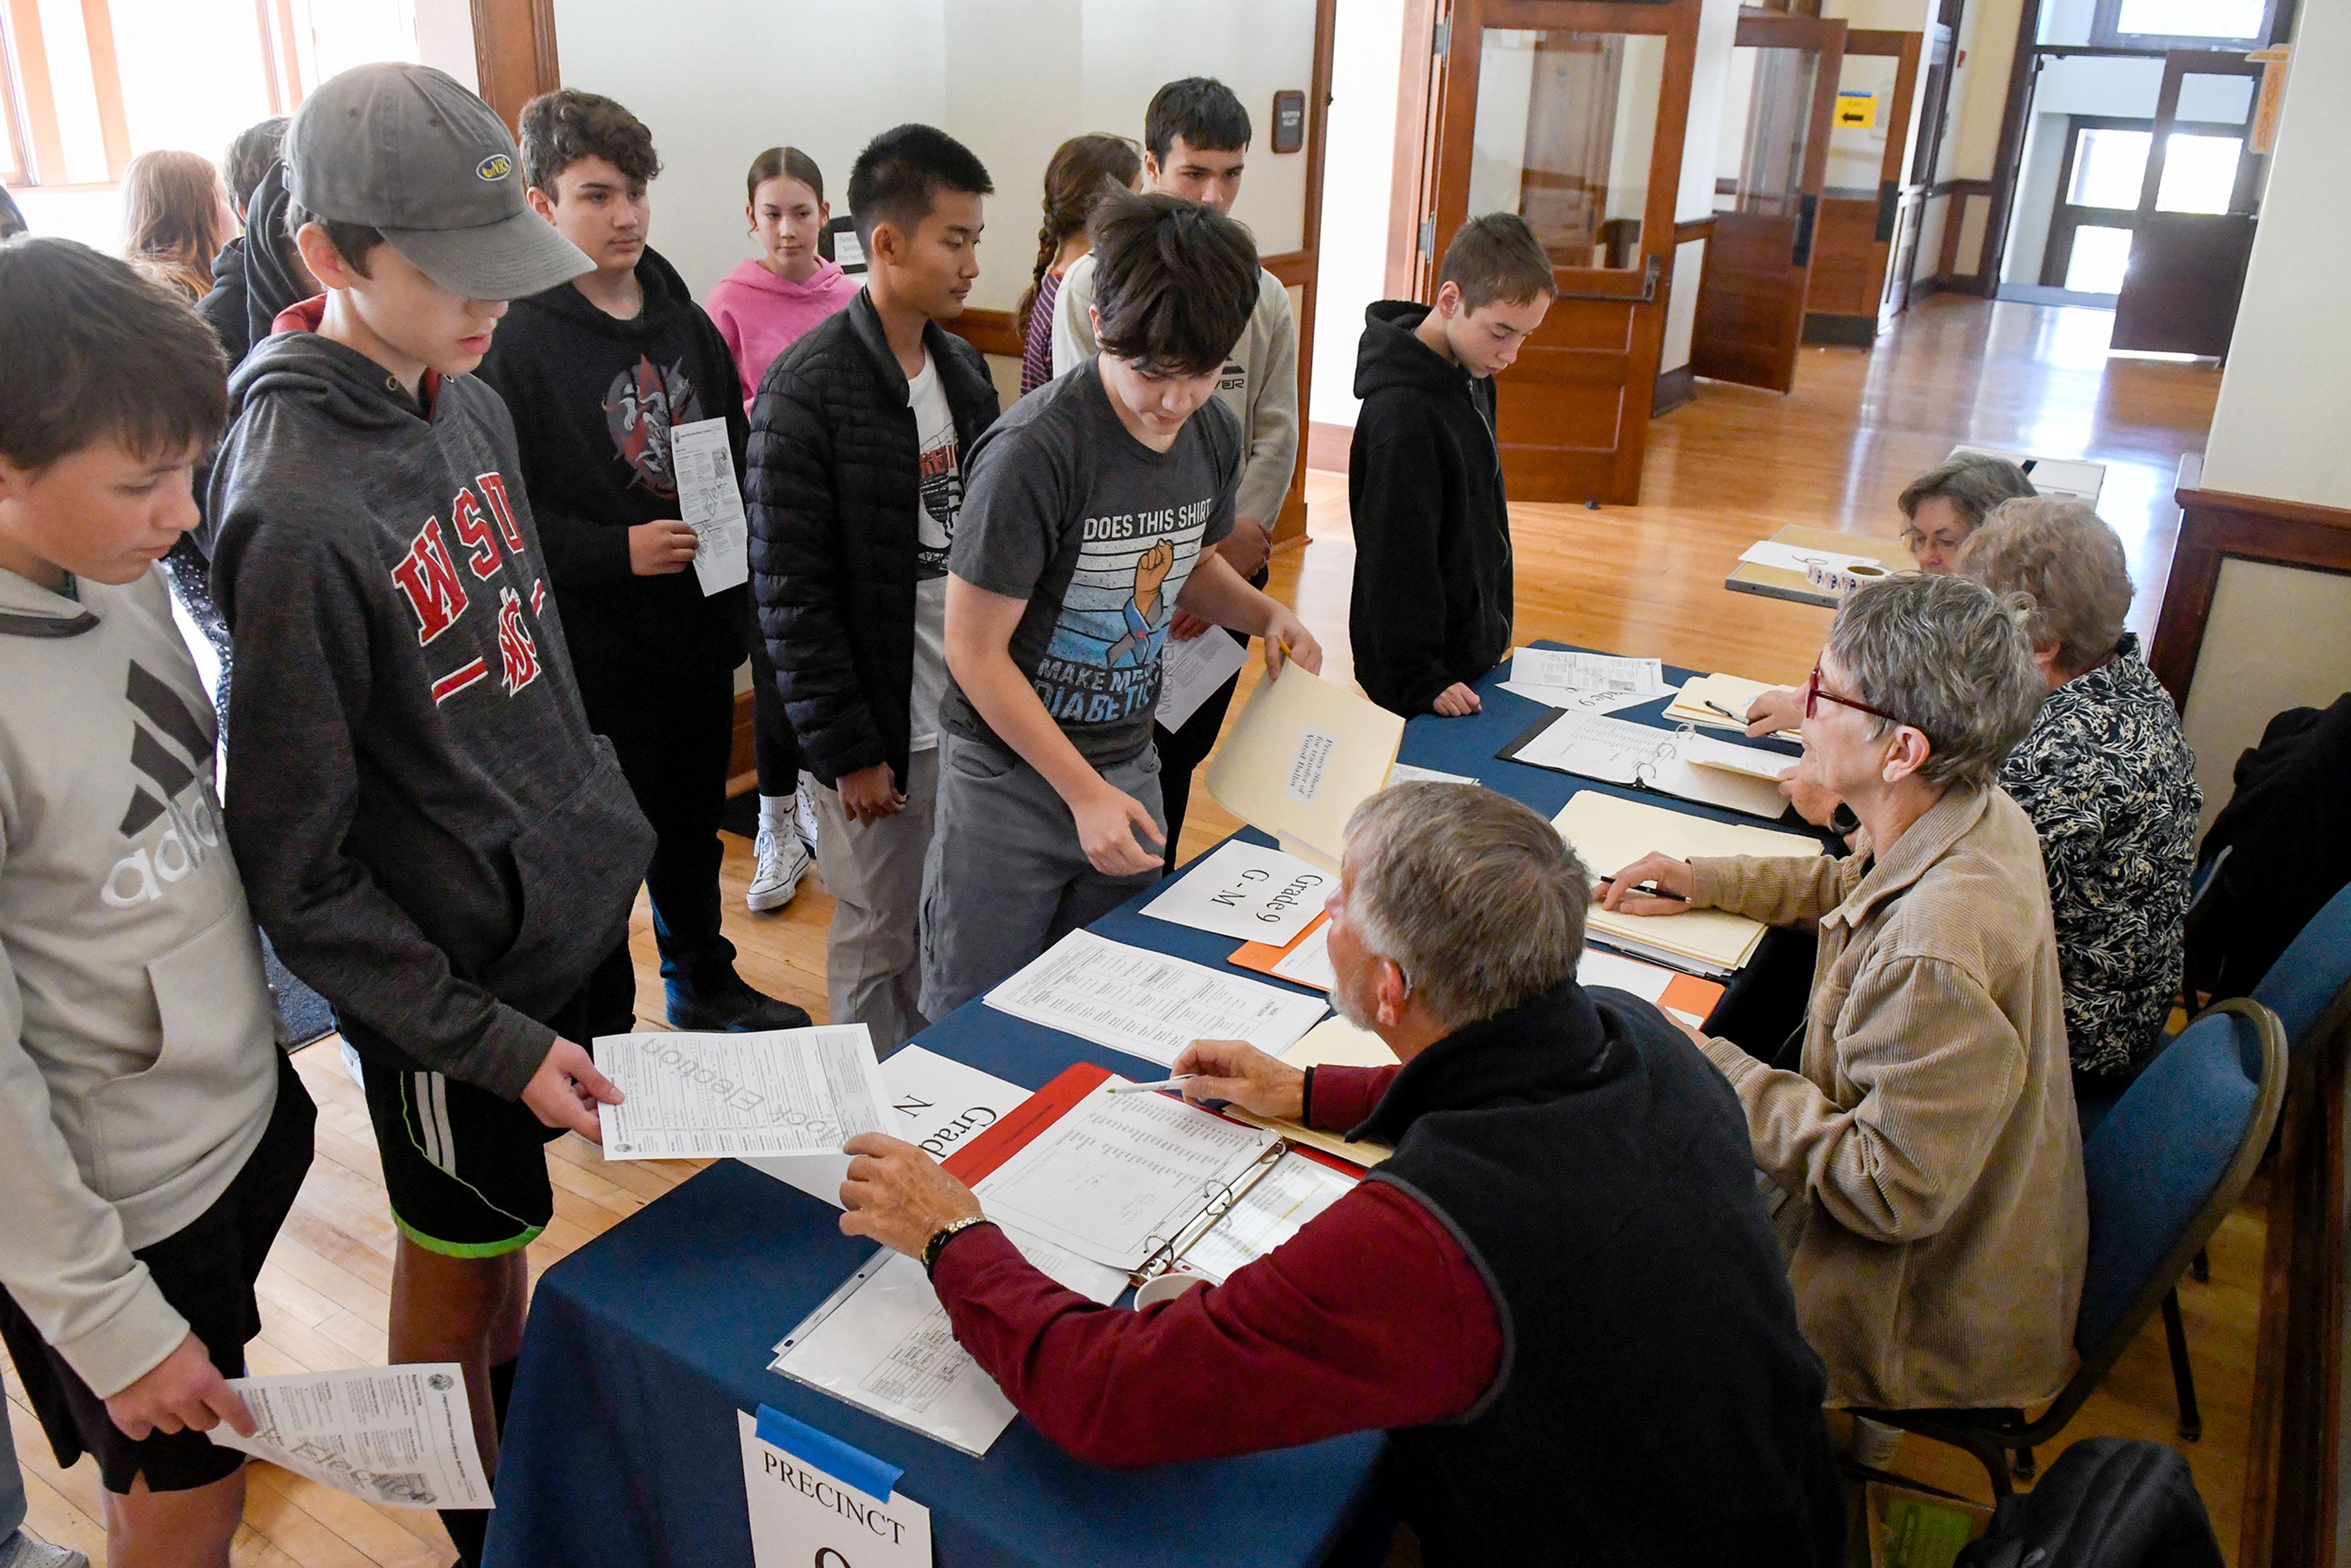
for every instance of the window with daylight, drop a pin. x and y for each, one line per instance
(2182, 24)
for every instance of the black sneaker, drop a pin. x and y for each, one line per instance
(730, 1007)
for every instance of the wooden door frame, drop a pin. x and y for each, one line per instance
(515, 61)
(1440, 184)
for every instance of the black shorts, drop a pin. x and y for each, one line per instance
(206, 1271)
(466, 1169)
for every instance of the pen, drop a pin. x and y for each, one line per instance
(1724, 711)
(1176, 1082)
(1646, 890)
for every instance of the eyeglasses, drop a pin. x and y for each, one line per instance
(1816, 693)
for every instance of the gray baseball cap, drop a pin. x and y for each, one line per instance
(406, 150)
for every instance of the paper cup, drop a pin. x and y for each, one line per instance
(1164, 1288)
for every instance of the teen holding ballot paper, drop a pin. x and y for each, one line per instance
(1559, 1296)
(1086, 524)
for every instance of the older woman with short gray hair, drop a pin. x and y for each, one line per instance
(1926, 1141)
(2106, 778)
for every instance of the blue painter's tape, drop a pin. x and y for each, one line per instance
(828, 1453)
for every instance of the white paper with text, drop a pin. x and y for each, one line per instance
(710, 502)
(399, 1436)
(1149, 1004)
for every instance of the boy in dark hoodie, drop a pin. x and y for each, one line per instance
(598, 372)
(1432, 604)
(431, 834)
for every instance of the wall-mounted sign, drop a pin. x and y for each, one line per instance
(1857, 111)
(1289, 121)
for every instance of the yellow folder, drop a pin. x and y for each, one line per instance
(1303, 756)
(1609, 832)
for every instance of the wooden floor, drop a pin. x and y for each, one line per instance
(1723, 471)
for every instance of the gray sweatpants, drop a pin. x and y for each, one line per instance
(1007, 877)
(873, 957)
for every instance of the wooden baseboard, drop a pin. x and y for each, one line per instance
(1674, 388)
(1327, 445)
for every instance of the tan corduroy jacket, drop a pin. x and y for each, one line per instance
(1931, 1130)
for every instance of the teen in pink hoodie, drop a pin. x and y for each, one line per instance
(764, 306)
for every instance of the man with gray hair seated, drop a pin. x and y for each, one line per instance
(2107, 780)
(1561, 1296)
(1925, 1143)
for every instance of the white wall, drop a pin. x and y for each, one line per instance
(2286, 396)
(1358, 172)
(1028, 74)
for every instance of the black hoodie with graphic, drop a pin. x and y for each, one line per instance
(593, 399)
(255, 275)
(1433, 599)
(429, 832)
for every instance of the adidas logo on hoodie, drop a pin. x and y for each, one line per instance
(172, 752)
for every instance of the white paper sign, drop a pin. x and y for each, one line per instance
(399, 1436)
(801, 1515)
(1247, 891)
(1190, 673)
(711, 503)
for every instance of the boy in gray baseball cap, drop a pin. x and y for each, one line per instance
(431, 834)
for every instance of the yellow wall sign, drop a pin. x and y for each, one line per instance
(1857, 110)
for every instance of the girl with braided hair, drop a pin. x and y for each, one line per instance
(1082, 169)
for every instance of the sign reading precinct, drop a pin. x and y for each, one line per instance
(806, 1514)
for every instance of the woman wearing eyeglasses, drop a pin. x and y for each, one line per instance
(1926, 1146)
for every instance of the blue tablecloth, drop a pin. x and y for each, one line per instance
(622, 1448)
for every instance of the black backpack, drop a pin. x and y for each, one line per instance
(2107, 1502)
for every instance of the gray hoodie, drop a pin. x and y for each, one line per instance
(138, 1043)
(431, 835)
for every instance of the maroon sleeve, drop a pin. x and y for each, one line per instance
(1344, 1096)
(1371, 1316)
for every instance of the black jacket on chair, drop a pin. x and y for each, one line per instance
(833, 487)
(2107, 1502)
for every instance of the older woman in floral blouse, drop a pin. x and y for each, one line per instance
(2104, 774)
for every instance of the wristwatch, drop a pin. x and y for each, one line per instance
(942, 1235)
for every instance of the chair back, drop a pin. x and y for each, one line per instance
(2309, 987)
(2169, 1162)
(2203, 892)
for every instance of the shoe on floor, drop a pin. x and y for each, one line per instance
(23, 1550)
(804, 808)
(784, 859)
(730, 1007)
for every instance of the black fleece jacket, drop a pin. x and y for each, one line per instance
(257, 275)
(1433, 597)
(593, 399)
(833, 485)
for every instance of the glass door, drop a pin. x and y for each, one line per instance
(1570, 114)
(1851, 297)
(1782, 97)
(2193, 229)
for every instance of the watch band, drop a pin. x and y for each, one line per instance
(942, 1235)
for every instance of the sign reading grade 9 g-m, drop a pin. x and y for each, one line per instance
(805, 1515)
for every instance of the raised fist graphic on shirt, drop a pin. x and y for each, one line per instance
(1145, 612)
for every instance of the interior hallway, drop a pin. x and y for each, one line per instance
(1730, 467)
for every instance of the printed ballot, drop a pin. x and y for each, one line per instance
(1609, 832)
(790, 1095)
(1674, 762)
(1301, 757)
(883, 1343)
(1247, 891)
(1190, 673)
(940, 1104)
(801, 1513)
(399, 1436)
(1148, 1004)
(710, 502)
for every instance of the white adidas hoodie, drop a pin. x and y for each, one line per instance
(138, 1039)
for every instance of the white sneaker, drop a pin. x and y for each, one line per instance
(23, 1550)
(804, 808)
(784, 859)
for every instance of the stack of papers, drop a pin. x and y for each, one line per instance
(1735, 694)
(1676, 762)
(1301, 756)
(1609, 833)
(1585, 682)
(1305, 962)
(1148, 1004)
(1276, 1208)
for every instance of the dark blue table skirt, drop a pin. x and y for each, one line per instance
(621, 1447)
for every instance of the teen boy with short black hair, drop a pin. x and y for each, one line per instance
(433, 837)
(1433, 597)
(1086, 528)
(1195, 137)
(859, 439)
(153, 1135)
(597, 373)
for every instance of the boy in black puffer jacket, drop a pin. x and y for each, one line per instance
(858, 440)
(1433, 599)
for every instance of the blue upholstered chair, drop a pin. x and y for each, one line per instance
(2163, 1170)
(2309, 987)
